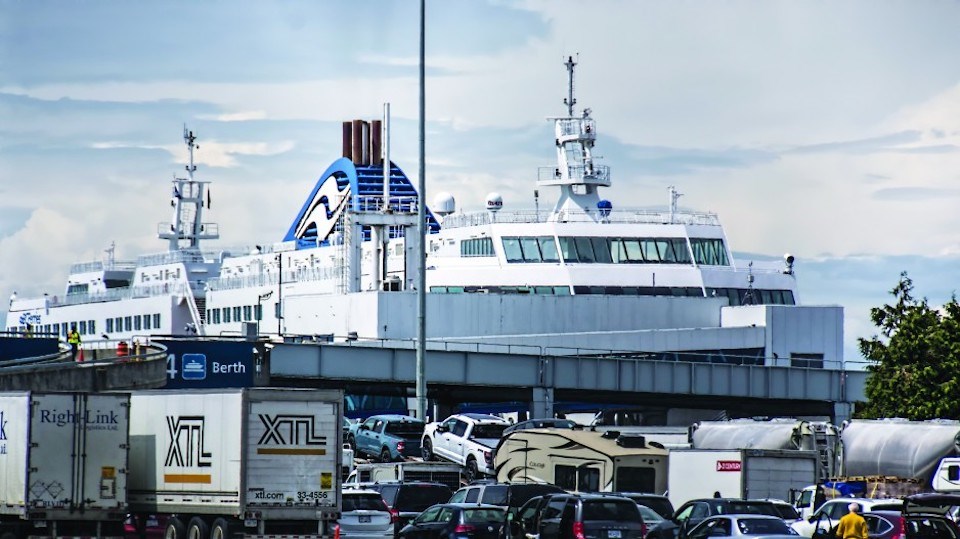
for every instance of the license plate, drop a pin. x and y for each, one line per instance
(364, 518)
(614, 534)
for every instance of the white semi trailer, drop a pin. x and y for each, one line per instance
(63, 462)
(216, 464)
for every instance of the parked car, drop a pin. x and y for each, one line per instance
(829, 514)
(365, 516)
(387, 437)
(509, 496)
(660, 504)
(650, 517)
(695, 511)
(742, 526)
(898, 525)
(466, 439)
(456, 521)
(553, 423)
(787, 511)
(589, 515)
(524, 521)
(407, 500)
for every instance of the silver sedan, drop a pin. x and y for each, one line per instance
(742, 527)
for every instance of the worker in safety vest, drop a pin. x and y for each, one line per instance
(73, 339)
(123, 349)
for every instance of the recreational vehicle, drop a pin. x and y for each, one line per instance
(582, 460)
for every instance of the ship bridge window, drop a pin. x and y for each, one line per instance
(116, 283)
(709, 251)
(74, 289)
(530, 249)
(477, 247)
(755, 296)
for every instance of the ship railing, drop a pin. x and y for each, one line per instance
(587, 354)
(396, 204)
(270, 279)
(624, 216)
(98, 265)
(174, 257)
(207, 230)
(127, 292)
(600, 173)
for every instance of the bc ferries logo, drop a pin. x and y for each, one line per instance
(290, 434)
(194, 366)
(319, 214)
(29, 318)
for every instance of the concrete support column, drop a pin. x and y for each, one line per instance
(541, 404)
(842, 411)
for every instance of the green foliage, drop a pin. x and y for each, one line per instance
(916, 369)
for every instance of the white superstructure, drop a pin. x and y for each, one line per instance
(654, 280)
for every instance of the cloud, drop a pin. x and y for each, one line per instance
(914, 194)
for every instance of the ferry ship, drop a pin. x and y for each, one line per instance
(582, 274)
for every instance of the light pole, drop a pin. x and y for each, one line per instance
(260, 299)
(279, 292)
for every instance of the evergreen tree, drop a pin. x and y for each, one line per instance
(916, 358)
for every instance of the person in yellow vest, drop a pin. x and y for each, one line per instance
(852, 525)
(73, 339)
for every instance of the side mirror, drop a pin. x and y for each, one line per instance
(441, 428)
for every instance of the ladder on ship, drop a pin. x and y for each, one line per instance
(202, 309)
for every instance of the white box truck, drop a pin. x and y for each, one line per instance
(222, 463)
(63, 464)
(739, 473)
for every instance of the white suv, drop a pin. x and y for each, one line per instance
(467, 439)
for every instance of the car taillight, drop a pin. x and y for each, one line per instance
(394, 516)
(578, 530)
(488, 456)
(464, 528)
(643, 530)
(901, 532)
(400, 446)
(336, 532)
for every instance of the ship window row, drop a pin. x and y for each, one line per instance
(476, 247)
(541, 290)
(736, 296)
(753, 296)
(137, 322)
(226, 315)
(604, 250)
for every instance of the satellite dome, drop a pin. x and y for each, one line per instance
(494, 202)
(444, 204)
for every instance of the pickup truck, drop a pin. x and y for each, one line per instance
(465, 439)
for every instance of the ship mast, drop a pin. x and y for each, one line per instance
(187, 201)
(576, 173)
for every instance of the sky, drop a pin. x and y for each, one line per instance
(829, 130)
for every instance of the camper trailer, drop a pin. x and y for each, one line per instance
(582, 460)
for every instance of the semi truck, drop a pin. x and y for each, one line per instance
(63, 462)
(739, 473)
(223, 463)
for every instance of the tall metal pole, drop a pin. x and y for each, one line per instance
(422, 236)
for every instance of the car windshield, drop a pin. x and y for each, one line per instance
(759, 526)
(610, 510)
(786, 511)
(487, 431)
(420, 497)
(405, 429)
(750, 508)
(482, 516)
(363, 502)
(650, 517)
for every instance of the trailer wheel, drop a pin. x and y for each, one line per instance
(198, 529)
(175, 529)
(221, 529)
